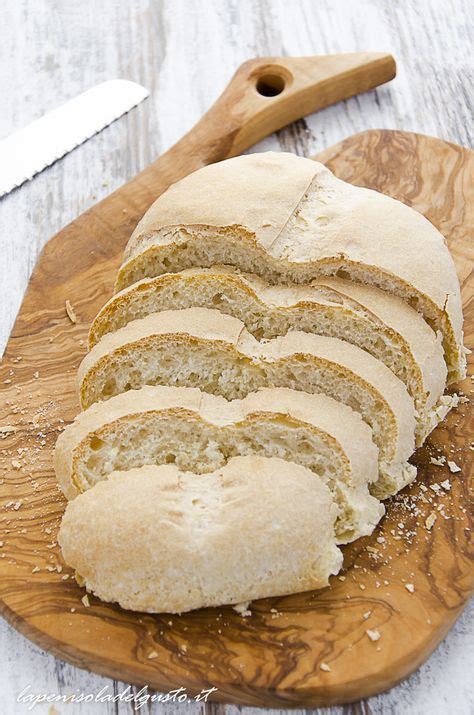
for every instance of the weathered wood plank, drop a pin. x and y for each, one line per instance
(185, 55)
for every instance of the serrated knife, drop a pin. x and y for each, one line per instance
(28, 151)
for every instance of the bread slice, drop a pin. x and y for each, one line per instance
(290, 220)
(380, 323)
(200, 433)
(254, 528)
(198, 347)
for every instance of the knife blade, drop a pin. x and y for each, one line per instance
(28, 151)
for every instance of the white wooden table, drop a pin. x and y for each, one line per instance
(185, 52)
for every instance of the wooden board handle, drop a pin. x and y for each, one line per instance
(264, 95)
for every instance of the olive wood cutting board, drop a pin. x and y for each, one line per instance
(407, 583)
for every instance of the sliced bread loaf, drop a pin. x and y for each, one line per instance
(380, 323)
(254, 528)
(198, 347)
(290, 220)
(200, 433)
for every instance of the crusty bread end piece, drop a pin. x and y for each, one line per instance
(254, 528)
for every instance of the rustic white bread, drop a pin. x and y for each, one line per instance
(254, 528)
(290, 220)
(199, 347)
(200, 432)
(380, 323)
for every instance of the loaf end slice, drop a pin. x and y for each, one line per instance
(178, 541)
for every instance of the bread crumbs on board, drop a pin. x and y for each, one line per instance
(70, 312)
(373, 634)
(243, 609)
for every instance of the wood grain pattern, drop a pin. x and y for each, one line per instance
(266, 94)
(270, 658)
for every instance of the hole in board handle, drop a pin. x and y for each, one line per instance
(270, 85)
